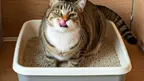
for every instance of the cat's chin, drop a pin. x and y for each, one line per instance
(61, 29)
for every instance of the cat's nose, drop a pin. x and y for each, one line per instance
(62, 23)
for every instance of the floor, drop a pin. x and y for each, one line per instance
(7, 74)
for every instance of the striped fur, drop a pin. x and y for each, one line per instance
(122, 27)
(91, 20)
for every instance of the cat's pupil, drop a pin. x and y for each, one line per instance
(72, 15)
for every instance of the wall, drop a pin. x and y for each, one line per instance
(16, 12)
(0, 25)
(122, 7)
(138, 23)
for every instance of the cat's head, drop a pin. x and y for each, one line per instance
(65, 14)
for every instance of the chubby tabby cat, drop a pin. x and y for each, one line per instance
(72, 29)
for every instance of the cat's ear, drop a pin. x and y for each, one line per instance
(52, 2)
(81, 3)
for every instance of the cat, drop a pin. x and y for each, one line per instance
(72, 29)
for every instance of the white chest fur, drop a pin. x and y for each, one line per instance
(63, 41)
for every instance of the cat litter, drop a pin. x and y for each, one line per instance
(106, 57)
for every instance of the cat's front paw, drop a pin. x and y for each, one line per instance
(52, 62)
(73, 63)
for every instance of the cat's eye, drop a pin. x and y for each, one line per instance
(73, 15)
(57, 13)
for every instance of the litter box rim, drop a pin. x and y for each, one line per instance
(64, 71)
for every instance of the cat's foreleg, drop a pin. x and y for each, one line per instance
(52, 62)
(75, 60)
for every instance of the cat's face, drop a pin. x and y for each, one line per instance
(65, 16)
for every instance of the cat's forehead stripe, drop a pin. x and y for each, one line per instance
(66, 6)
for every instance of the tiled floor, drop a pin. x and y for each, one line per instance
(7, 74)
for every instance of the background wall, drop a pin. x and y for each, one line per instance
(0, 25)
(16, 12)
(138, 23)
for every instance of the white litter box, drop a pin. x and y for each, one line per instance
(31, 28)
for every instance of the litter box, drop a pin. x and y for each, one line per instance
(31, 29)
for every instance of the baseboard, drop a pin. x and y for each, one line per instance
(9, 38)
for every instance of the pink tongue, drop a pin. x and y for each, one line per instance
(62, 23)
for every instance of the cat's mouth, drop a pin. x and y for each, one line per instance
(66, 26)
(63, 24)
